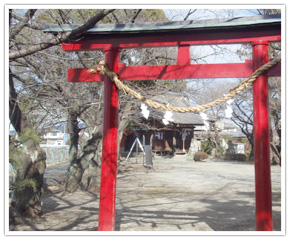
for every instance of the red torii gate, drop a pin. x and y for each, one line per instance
(111, 38)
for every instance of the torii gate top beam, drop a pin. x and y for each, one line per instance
(136, 35)
(180, 34)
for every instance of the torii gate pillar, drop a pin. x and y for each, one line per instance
(262, 141)
(110, 145)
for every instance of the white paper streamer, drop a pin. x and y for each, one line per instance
(229, 109)
(145, 112)
(205, 118)
(167, 117)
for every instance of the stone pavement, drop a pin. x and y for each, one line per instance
(175, 195)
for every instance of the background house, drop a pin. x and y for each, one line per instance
(56, 136)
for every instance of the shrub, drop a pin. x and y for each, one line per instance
(239, 157)
(29, 133)
(207, 146)
(198, 156)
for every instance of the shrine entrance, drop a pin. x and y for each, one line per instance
(111, 38)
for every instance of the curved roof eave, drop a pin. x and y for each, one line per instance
(170, 26)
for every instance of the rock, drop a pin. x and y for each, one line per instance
(194, 147)
(199, 156)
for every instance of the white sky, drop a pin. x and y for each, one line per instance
(206, 53)
(204, 14)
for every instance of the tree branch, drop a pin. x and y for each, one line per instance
(189, 13)
(135, 16)
(62, 37)
(28, 15)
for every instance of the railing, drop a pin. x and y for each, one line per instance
(56, 154)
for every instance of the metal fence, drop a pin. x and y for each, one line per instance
(56, 154)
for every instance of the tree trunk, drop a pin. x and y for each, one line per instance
(250, 137)
(122, 126)
(31, 162)
(251, 156)
(84, 171)
(276, 153)
(74, 174)
(217, 140)
(276, 145)
(91, 161)
(29, 180)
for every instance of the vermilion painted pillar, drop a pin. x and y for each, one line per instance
(262, 141)
(110, 147)
(183, 56)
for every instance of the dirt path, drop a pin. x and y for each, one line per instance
(176, 195)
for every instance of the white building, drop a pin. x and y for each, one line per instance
(56, 137)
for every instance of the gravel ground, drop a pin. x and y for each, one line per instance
(175, 195)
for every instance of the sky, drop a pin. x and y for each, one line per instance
(203, 14)
(212, 54)
(207, 53)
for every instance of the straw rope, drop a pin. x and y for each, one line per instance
(103, 69)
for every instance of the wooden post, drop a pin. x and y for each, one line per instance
(110, 146)
(174, 142)
(262, 141)
(148, 149)
(183, 136)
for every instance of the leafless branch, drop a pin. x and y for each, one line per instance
(23, 22)
(61, 37)
(135, 15)
(190, 12)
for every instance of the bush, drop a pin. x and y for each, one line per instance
(198, 156)
(239, 157)
(207, 146)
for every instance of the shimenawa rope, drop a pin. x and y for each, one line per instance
(103, 69)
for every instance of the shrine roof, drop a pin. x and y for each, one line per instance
(256, 21)
(177, 100)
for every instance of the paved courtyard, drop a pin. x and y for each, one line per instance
(175, 195)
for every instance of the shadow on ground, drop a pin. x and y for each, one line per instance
(72, 214)
(206, 198)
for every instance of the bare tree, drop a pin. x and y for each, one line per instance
(31, 166)
(275, 118)
(48, 99)
(243, 116)
(36, 83)
(62, 37)
(206, 91)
